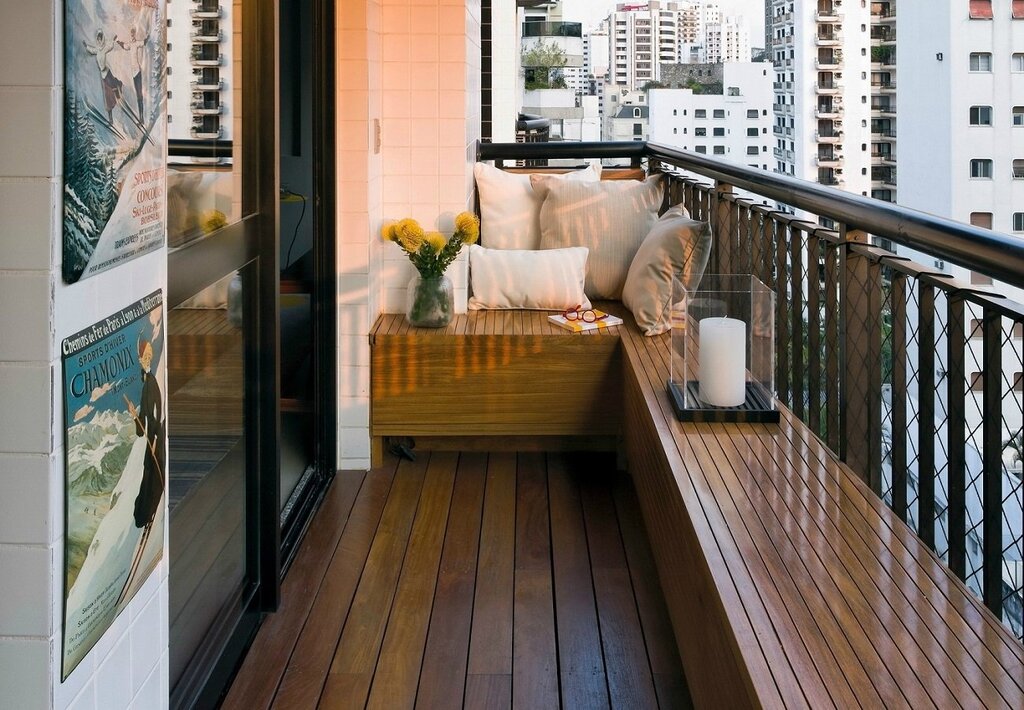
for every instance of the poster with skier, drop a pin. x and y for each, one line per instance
(116, 453)
(114, 133)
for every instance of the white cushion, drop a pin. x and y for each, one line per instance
(549, 280)
(509, 207)
(677, 248)
(610, 218)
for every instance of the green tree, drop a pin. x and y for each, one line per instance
(542, 66)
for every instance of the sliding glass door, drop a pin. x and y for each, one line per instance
(223, 391)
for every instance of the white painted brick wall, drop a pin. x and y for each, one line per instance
(128, 668)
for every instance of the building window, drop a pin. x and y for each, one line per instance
(719, 150)
(700, 131)
(1018, 169)
(981, 61)
(719, 131)
(752, 150)
(1018, 221)
(675, 131)
(982, 219)
(700, 148)
(980, 279)
(1017, 9)
(1017, 61)
(981, 9)
(636, 113)
(752, 132)
(719, 113)
(981, 168)
(981, 115)
(638, 129)
(700, 113)
(977, 382)
(751, 113)
(1018, 115)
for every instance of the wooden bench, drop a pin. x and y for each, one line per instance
(789, 583)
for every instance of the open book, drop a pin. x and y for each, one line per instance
(579, 326)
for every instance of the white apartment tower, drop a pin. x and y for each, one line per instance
(642, 36)
(727, 40)
(734, 125)
(821, 52)
(961, 138)
(883, 100)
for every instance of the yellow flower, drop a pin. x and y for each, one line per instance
(388, 232)
(410, 235)
(213, 220)
(468, 225)
(437, 241)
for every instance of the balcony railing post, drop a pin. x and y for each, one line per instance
(722, 227)
(860, 359)
(992, 465)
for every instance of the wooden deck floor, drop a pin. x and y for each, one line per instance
(471, 580)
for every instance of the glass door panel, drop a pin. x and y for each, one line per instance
(207, 344)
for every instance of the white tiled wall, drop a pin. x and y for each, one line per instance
(128, 668)
(408, 70)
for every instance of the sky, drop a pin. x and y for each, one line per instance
(591, 12)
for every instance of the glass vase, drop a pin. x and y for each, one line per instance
(430, 301)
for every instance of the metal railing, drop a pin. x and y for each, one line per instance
(907, 373)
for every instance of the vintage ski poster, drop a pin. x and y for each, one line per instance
(114, 133)
(115, 482)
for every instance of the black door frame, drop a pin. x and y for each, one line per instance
(325, 313)
(276, 547)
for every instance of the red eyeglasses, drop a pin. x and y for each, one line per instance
(588, 315)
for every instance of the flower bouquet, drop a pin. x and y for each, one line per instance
(431, 299)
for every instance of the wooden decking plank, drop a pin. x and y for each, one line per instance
(581, 662)
(490, 650)
(358, 649)
(535, 654)
(914, 626)
(305, 675)
(398, 668)
(666, 666)
(443, 674)
(630, 682)
(268, 656)
(750, 620)
(491, 691)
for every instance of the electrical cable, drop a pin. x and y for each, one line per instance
(295, 234)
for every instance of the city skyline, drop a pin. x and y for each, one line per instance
(591, 12)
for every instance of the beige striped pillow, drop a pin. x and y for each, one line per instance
(611, 218)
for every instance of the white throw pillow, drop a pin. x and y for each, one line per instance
(610, 218)
(677, 248)
(548, 280)
(509, 207)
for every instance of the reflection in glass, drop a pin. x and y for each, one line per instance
(206, 393)
(204, 118)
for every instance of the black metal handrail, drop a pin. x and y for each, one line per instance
(1000, 256)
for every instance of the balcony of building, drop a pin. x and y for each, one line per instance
(828, 11)
(829, 36)
(864, 551)
(829, 108)
(831, 60)
(883, 35)
(828, 87)
(828, 156)
(883, 12)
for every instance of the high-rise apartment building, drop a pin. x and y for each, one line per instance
(961, 139)
(727, 41)
(883, 100)
(821, 53)
(641, 36)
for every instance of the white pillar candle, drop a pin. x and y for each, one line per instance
(723, 362)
